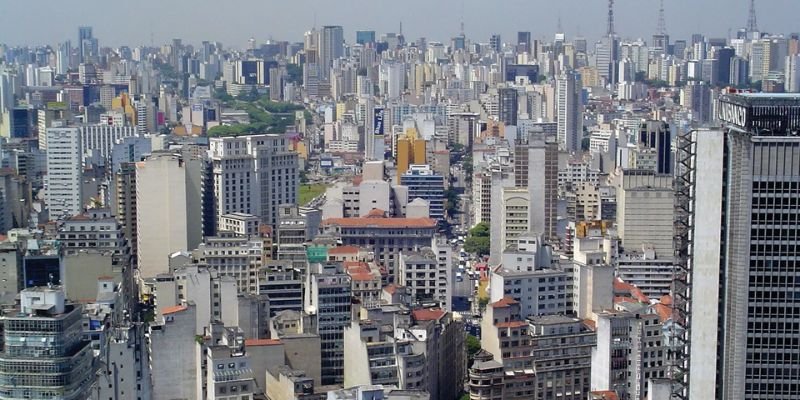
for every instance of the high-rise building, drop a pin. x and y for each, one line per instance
(656, 137)
(423, 183)
(168, 209)
(793, 73)
(44, 355)
(495, 42)
(742, 218)
(365, 37)
(328, 301)
(569, 112)
(331, 47)
(64, 57)
(524, 44)
(63, 182)
(235, 180)
(645, 211)
(507, 105)
(536, 169)
(88, 49)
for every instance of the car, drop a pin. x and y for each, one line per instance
(459, 277)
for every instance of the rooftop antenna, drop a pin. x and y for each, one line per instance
(662, 24)
(559, 28)
(752, 22)
(462, 18)
(610, 30)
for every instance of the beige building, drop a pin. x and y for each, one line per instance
(169, 209)
(646, 211)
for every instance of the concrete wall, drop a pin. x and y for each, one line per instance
(706, 264)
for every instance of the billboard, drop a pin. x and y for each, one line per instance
(378, 126)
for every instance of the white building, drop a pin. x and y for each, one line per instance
(63, 183)
(99, 140)
(569, 112)
(176, 372)
(235, 180)
(168, 209)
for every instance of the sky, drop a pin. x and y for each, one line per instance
(233, 22)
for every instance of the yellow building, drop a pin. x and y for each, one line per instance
(124, 103)
(410, 150)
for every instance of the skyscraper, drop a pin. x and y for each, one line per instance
(87, 45)
(524, 43)
(508, 106)
(331, 47)
(63, 183)
(742, 200)
(168, 209)
(44, 356)
(569, 112)
(365, 37)
(495, 43)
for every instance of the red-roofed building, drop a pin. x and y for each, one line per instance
(385, 237)
(603, 395)
(625, 289)
(173, 310)
(365, 279)
(428, 314)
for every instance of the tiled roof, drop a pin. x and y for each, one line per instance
(504, 302)
(427, 315)
(634, 291)
(262, 342)
(174, 309)
(343, 250)
(604, 395)
(511, 324)
(391, 289)
(664, 312)
(381, 222)
(590, 324)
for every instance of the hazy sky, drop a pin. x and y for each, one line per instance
(232, 22)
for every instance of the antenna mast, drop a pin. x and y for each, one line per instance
(752, 22)
(610, 17)
(662, 24)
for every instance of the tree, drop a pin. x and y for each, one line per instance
(480, 230)
(295, 73)
(473, 346)
(477, 245)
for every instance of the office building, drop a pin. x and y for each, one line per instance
(328, 301)
(423, 183)
(508, 105)
(60, 364)
(562, 352)
(175, 373)
(98, 141)
(88, 49)
(232, 255)
(365, 37)
(331, 47)
(235, 180)
(655, 137)
(427, 276)
(63, 182)
(631, 350)
(743, 218)
(536, 168)
(386, 237)
(169, 193)
(524, 44)
(569, 111)
(646, 211)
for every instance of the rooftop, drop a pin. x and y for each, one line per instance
(381, 222)
(174, 309)
(504, 302)
(428, 315)
(262, 342)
